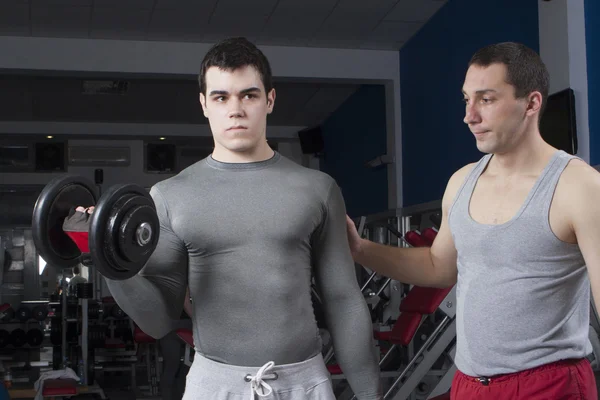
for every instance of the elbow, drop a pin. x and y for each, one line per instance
(445, 282)
(443, 275)
(155, 329)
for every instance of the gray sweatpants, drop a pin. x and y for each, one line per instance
(210, 380)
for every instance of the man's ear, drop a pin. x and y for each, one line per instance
(271, 100)
(202, 99)
(534, 103)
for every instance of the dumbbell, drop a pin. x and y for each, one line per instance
(123, 229)
(24, 314)
(18, 337)
(39, 313)
(7, 313)
(35, 337)
(4, 338)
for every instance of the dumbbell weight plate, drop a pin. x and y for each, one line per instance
(40, 312)
(24, 314)
(53, 205)
(124, 231)
(117, 312)
(35, 337)
(18, 337)
(4, 338)
(9, 314)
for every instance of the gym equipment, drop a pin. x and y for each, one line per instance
(35, 337)
(18, 337)
(116, 312)
(123, 230)
(94, 311)
(84, 290)
(415, 239)
(7, 313)
(51, 208)
(39, 313)
(429, 235)
(24, 314)
(436, 219)
(4, 338)
(415, 307)
(97, 336)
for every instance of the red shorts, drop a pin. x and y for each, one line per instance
(562, 380)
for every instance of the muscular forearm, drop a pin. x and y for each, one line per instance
(145, 304)
(414, 266)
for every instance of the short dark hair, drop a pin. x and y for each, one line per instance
(525, 69)
(75, 270)
(233, 53)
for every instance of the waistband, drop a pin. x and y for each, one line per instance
(240, 379)
(486, 380)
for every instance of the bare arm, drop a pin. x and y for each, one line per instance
(433, 267)
(345, 309)
(584, 191)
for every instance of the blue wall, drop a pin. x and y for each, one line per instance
(433, 63)
(592, 42)
(353, 135)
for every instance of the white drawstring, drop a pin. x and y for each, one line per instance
(257, 385)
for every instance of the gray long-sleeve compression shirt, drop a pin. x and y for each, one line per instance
(247, 238)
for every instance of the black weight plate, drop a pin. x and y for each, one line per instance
(4, 338)
(35, 337)
(114, 225)
(51, 208)
(117, 312)
(18, 337)
(24, 314)
(9, 314)
(131, 246)
(40, 312)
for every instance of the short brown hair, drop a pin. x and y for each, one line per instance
(234, 53)
(525, 70)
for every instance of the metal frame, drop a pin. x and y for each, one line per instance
(444, 384)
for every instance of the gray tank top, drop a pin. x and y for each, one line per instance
(523, 295)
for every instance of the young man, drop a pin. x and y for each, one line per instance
(246, 229)
(518, 231)
(77, 278)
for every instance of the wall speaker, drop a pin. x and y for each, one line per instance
(160, 157)
(50, 157)
(311, 140)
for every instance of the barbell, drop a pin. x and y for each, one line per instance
(123, 228)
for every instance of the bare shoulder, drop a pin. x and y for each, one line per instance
(455, 182)
(580, 179)
(578, 187)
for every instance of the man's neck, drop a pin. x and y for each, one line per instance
(526, 158)
(261, 153)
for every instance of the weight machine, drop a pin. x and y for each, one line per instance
(413, 327)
